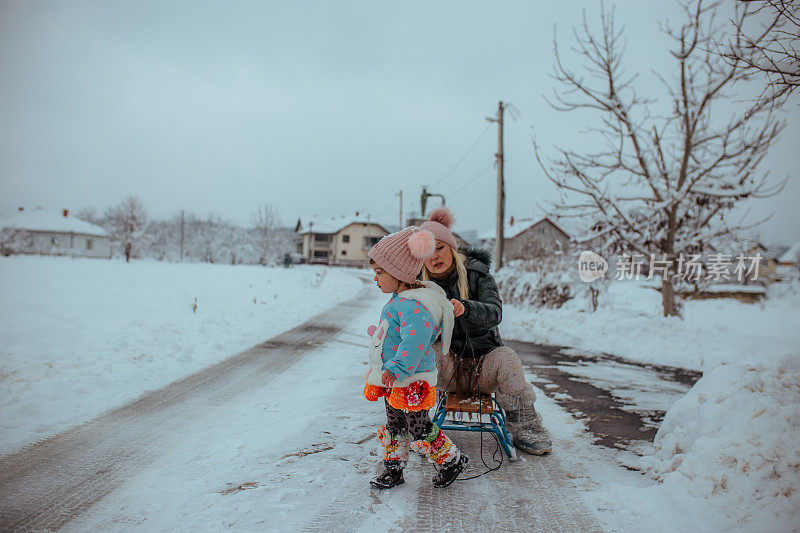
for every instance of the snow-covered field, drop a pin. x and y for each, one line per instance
(80, 336)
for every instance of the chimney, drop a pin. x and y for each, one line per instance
(511, 222)
(20, 209)
(356, 213)
(66, 212)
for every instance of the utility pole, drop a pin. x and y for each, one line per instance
(400, 194)
(183, 229)
(310, 242)
(501, 193)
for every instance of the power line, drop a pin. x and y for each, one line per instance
(471, 148)
(472, 180)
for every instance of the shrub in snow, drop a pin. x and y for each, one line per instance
(732, 441)
(547, 282)
(13, 241)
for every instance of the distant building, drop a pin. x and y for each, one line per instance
(337, 241)
(46, 232)
(790, 256)
(768, 266)
(526, 237)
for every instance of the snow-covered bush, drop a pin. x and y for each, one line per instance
(732, 441)
(547, 282)
(13, 240)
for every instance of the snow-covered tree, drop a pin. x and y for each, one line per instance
(662, 180)
(769, 42)
(90, 214)
(265, 222)
(126, 223)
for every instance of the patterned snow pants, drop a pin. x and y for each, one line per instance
(401, 426)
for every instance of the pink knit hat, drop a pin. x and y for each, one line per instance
(401, 254)
(438, 223)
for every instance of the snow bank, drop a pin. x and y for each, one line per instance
(80, 336)
(731, 445)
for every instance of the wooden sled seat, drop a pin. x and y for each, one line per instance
(474, 413)
(457, 403)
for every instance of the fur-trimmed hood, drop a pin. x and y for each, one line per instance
(477, 259)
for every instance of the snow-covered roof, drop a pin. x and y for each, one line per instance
(331, 225)
(769, 252)
(792, 255)
(520, 225)
(54, 221)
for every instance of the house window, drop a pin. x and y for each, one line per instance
(345, 238)
(88, 244)
(369, 242)
(344, 252)
(54, 241)
(321, 238)
(320, 253)
(541, 230)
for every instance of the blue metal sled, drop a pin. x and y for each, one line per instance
(468, 413)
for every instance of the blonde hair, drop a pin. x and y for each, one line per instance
(461, 267)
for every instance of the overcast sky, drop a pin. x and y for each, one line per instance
(317, 108)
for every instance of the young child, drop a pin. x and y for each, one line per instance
(401, 360)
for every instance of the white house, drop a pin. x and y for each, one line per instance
(337, 241)
(48, 232)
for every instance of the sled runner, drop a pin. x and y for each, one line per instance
(479, 413)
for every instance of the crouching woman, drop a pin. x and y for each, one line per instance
(478, 360)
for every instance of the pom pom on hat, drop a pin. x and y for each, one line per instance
(443, 216)
(422, 244)
(438, 223)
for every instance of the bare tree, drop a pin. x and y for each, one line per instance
(126, 223)
(265, 222)
(89, 214)
(662, 184)
(768, 41)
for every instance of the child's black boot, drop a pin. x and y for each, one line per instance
(391, 476)
(450, 471)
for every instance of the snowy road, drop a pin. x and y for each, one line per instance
(277, 437)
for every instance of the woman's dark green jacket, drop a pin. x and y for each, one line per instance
(475, 332)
